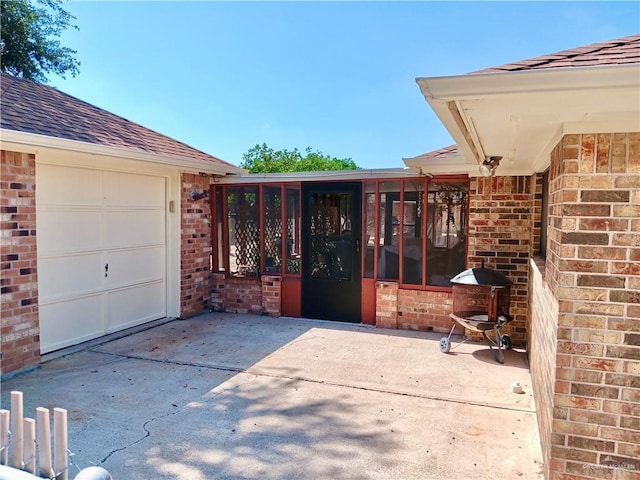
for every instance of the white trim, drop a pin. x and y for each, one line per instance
(333, 175)
(569, 79)
(31, 140)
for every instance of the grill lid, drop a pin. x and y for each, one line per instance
(481, 276)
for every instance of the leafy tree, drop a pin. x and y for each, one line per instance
(262, 159)
(29, 40)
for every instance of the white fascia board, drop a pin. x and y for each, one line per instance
(32, 141)
(437, 166)
(482, 85)
(324, 176)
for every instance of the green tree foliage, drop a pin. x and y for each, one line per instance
(29, 41)
(262, 159)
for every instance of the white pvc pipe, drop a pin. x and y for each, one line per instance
(29, 445)
(17, 417)
(44, 441)
(4, 437)
(60, 444)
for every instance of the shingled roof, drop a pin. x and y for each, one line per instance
(31, 107)
(620, 51)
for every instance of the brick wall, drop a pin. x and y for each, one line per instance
(500, 233)
(426, 311)
(195, 246)
(387, 304)
(261, 296)
(243, 295)
(542, 333)
(271, 295)
(593, 271)
(19, 327)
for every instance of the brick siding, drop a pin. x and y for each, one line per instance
(243, 295)
(542, 332)
(501, 229)
(425, 311)
(271, 295)
(195, 247)
(19, 327)
(593, 272)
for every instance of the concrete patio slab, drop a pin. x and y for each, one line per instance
(238, 396)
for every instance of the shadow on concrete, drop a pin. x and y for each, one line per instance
(240, 396)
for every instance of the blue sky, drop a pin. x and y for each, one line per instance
(338, 77)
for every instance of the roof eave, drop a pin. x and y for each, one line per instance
(187, 164)
(451, 96)
(328, 175)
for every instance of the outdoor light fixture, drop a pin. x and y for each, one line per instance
(488, 167)
(198, 196)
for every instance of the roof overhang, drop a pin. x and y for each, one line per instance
(322, 176)
(522, 115)
(450, 163)
(31, 142)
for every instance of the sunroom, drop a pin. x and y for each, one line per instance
(332, 245)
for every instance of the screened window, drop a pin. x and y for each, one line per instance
(244, 230)
(423, 222)
(293, 229)
(446, 231)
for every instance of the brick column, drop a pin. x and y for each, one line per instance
(500, 233)
(19, 327)
(195, 247)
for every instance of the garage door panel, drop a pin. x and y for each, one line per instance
(133, 306)
(60, 277)
(131, 190)
(149, 228)
(68, 231)
(68, 323)
(87, 219)
(72, 186)
(129, 267)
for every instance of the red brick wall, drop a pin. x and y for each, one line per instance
(542, 346)
(261, 296)
(387, 304)
(243, 295)
(593, 271)
(19, 327)
(271, 295)
(425, 310)
(195, 247)
(501, 214)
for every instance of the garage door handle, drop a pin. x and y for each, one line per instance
(106, 269)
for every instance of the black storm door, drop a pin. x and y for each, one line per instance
(331, 226)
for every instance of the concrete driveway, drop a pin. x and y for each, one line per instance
(238, 396)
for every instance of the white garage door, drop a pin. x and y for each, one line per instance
(101, 252)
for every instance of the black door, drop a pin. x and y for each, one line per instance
(331, 273)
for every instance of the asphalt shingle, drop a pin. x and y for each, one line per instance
(31, 107)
